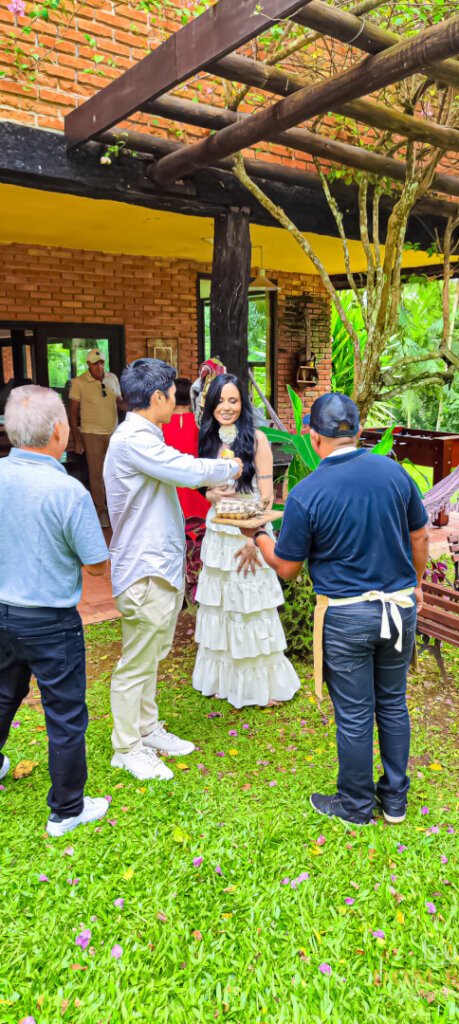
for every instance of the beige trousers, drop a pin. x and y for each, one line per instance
(149, 610)
(95, 449)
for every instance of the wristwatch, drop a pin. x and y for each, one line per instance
(259, 533)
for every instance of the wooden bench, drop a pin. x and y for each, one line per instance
(453, 544)
(438, 621)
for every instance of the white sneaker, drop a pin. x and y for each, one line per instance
(4, 767)
(393, 819)
(161, 739)
(93, 809)
(143, 764)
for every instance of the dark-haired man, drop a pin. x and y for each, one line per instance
(141, 474)
(360, 523)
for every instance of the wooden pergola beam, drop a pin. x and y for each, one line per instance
(204, 115)
(363, 35)
(375, 72)
(236, 68)
(219, 30)
(157, 147)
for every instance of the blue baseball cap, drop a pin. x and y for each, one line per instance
(334, 415)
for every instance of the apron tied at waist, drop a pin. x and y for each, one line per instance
(396, 600)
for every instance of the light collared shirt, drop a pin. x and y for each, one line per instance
(342, 451)
(98, 408)
(141, 473)
(49, 529)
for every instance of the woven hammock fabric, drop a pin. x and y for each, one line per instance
(440, 497)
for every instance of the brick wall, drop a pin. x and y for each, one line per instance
(156, 301)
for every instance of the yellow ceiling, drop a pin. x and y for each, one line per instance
(33, 217)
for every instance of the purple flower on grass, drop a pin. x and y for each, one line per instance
(220, 753)
(349, 900)
(43, 878)
(435, 830)
(272, 783)
(424, 810)
(321, 841)
(401, 848)
(325, 969)
(430, 907)
(232, 732)
(285, 881)
(119, 902)
(450, 830)
(218, 870)
(245, 726)
(2, 787)
(83, 939)
(15, 725)
(444, 859)
(215, 714)
(27, 1020)
(378, 934)
(303, 877)
(197, 862)
(73, 881)
(116, 951)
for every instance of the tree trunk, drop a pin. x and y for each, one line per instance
(229, 293)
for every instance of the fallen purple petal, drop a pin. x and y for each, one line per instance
(218, 870)
(349, 900)
(220, 753)
(320, 841)
(232, 732)
(285, 881)
(325, 969)
(245, 726)
(197, 862)
(83, 939)
(401, 848)
(424, 810)
(43, 878)
(116, 951)
(119, 902)
(272, 783)
(435, 830)
(444, 859)
(378, 934)
(430, 907)
(15, 725)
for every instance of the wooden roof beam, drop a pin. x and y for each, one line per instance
(236, 68)
(365, 36)
(374, 72)
(219, 30)
(204, 115)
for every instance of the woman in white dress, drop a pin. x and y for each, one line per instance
(238, 629)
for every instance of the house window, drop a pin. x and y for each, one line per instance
(260, 336)
(66, 358)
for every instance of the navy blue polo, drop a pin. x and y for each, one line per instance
(351, 520)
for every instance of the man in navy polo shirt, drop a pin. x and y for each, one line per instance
(360, 523)
(49, 529)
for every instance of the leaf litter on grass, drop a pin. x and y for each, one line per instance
(187, 889)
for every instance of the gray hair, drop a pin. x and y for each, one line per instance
(30, 415)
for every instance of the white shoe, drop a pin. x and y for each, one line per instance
(143, 764)
(5, 767)
(93, 809)
(161, 739)
(393, 819)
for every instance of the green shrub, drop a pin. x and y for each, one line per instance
(298, 616)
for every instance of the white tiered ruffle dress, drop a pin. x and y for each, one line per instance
(238, 629)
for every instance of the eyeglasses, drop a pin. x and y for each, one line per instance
(104, 391)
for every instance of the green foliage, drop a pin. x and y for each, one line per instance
(297, 445)
(298, 616)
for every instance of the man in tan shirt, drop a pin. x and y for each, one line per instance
(95, 397)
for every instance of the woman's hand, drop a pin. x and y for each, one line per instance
(215, 494)
(248, 558)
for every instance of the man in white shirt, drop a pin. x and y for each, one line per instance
(95, 397)
(147, 551)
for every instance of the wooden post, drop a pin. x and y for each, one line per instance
(229, 291)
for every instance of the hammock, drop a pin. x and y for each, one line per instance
(440, 497)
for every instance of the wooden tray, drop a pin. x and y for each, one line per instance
(251, 524)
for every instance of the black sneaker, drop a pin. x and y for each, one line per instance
(332, 807)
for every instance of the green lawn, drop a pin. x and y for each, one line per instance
(231, 939)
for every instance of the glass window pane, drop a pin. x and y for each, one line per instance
(59, 364)
(67, 358)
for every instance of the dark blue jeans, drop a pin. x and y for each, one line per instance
(366, 676)
(48, 643)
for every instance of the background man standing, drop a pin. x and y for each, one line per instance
(49, 530)
(361, 524)
(147, 551)
(95, 397)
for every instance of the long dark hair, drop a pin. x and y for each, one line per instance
(244, 444)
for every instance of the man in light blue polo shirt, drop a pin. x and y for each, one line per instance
(49, 530)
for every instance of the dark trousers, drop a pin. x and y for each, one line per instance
(366, 676)
(48, 643)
